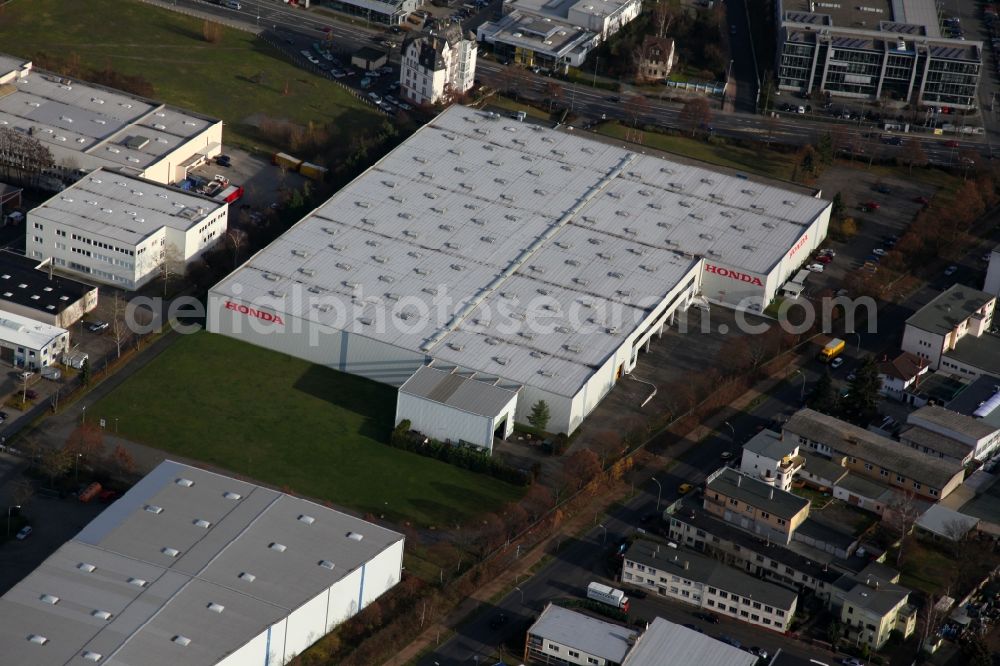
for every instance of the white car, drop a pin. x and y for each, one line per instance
(374, 97)
(950, 270)
(879, 252)
(24, 533)
(837, 362)
(816, 268)
(801, 109)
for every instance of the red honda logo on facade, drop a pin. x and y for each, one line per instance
(798, 246)
(259, 314)
(734, 275)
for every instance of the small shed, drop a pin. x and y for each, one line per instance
(451, 406)
(368, 58)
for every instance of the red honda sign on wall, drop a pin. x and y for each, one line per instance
(798, 246)
(252, 312)
(734, 275)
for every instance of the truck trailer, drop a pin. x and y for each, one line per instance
(607, 595)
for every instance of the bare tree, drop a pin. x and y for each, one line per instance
(118, 326)
(171, 265)
(900, 515)
(87, 442)
(22, 157)
(913, 154)
(696, 114)
(236, 239)
(554, 92)
(55, 463)
(663, 17)
(635, 106)
(122, 462)
(22, 492)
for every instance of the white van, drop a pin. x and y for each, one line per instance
(75, 359)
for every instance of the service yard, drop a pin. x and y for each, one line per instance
(289, 423)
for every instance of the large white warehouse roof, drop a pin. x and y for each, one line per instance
(89, 125)
(185, 568)
(514, 223)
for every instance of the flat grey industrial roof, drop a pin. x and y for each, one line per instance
(124, 208)
(665, 642)
(27, 332)
(974, 395)
(750, 490)
(948, 309)
(543, 35)
(946, 522)
(91, 124)
(872, 13)
(879, 596)
(982, 352)
(220, 527)
(562, 8)
(498, 216)
(848, 439)
(696, 567)
(769, 444)
(458, 391)
(587, 634)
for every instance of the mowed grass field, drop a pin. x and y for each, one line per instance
(290, 423)
(170, 51)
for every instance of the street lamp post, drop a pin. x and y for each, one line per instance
(76, 469)
(604, 535)
(858, 335)
(659, 492)
(16, 506)
(596, 60)
(731, 429)
(84, 419)
(521, 592)
(802, 395)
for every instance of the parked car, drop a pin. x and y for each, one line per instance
(815, 268)
(837, 362)
(224, 161)
(951, 143)
(711, 618)
(97, 326)
(950, 270)
(23, 533)
(870, 206)
(882, 187)
(373, 96)
(879, 252)
(31, 394)
(824, 259)
(684, 488)
(730, 641)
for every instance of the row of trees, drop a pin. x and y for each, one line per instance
(22, 156)
(83, 452)
(859, 404)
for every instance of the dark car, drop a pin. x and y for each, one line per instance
(614, 99)
(498, 621)
(31, 394)
(97, 326)
(711, 618)
(224, 161)
(107, 496)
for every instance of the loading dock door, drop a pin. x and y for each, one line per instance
(7, 354)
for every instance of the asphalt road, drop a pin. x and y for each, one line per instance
(591, 103)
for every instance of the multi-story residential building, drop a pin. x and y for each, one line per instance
(771, 459)
(27, 343)
(437, 65)
(754, 505)
(979, 437)
(656, 58)
(879, 50)
(121, 231)
(697, 529)
(562, 636)
(951, 332)
(874, 456)
(692, 578)
(872, 607)
(991, 285)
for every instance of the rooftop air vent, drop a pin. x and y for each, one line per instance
(138, 582)
(183, 641)
(86, 567)
(355, 536)
(231, 495)
(202, 523)
(326, 564)
(152, 508)
(170, 552)
(247, 576)
(50, 599)
(101, 614)
(88, 655)
(37, 639)
(184, 483)
(278, 547)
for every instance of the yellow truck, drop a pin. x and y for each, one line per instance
(831, 350)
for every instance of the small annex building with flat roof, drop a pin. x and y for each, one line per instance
(34, 290)
(452, 406)
(192, 567)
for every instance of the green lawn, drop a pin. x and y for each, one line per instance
(169, 50)
(289, 423)
(758, 160)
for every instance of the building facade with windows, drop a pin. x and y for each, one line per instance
(880, 50)
(978, 437)
(656, 58)
(871, 608)
(437, 65)
(956, 314)
(771, 459)
(123, 231)
(32, 289)
(693, 578)
(562, 636)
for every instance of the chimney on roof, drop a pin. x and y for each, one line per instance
(687, 565)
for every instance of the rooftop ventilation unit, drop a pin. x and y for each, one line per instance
(202, 523)
(229, 495)
(37, 639)
(152, 508)
(91, 656)
(326, 564)
(215, 608)
(183, 641)
(50, 599)
(308, 520)
(184, 483)
(277, 547)
(101, 614)
(355, 536)
(138, 582)
(170, 552)
(247, 576)
(574, 349)
(86, 567)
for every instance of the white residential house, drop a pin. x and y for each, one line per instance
(900, 373)
(992, 283)
(437, 65)
(772, 459)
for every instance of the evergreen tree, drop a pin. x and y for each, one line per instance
(838, 205)
(823, 397)
(539, 416)
(85, 372)
(825, 148)
(859, 404)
